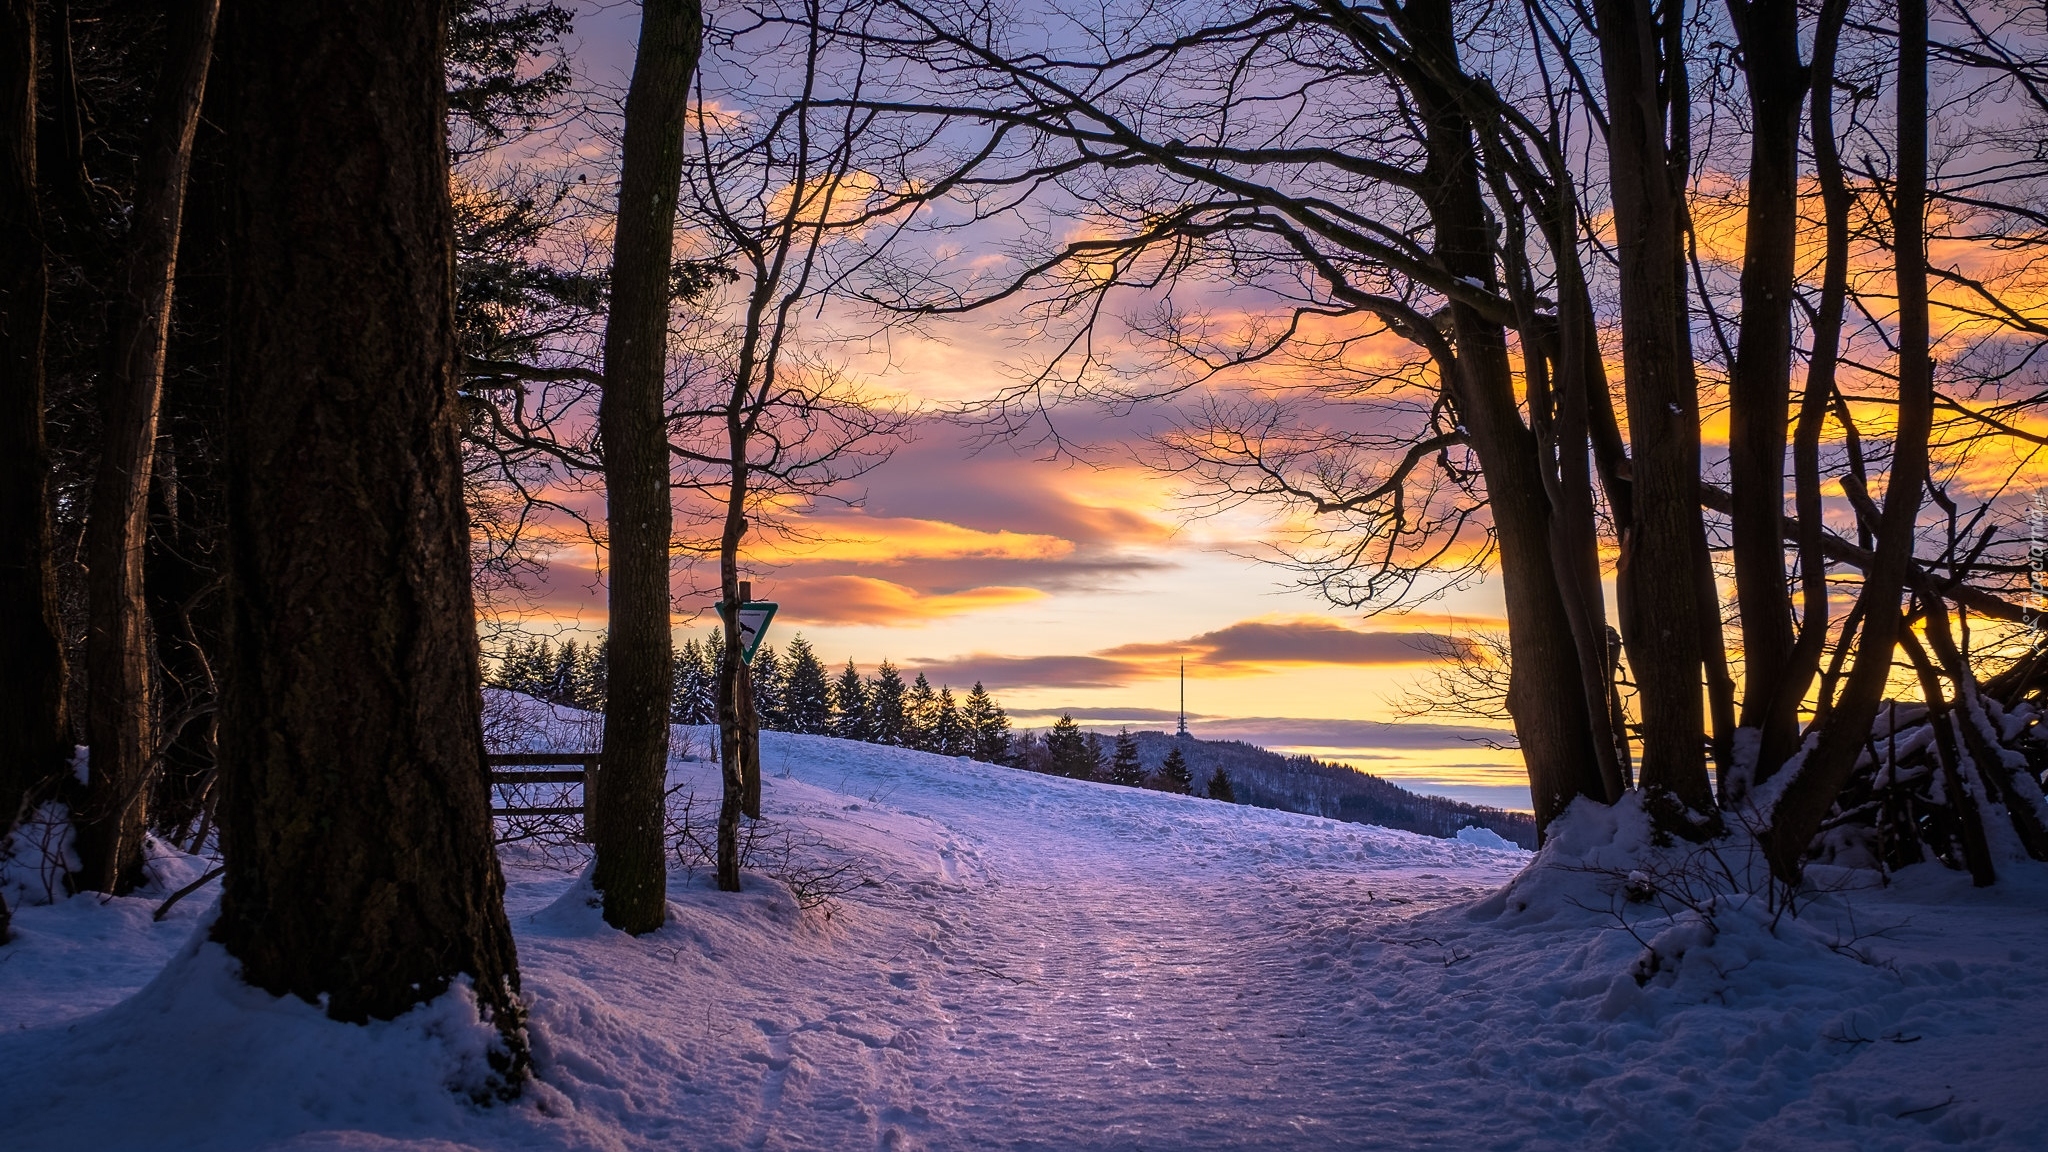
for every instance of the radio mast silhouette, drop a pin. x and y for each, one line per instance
(1183, 730)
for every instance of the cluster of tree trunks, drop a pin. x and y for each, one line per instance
(353, 814)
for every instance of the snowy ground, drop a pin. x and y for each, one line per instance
(1045, 964)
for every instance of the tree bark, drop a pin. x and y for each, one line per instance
(1804, 803)
(120, 709)
(1546, 698)
(1760, 382)
(354, 813)
(626, 817)
(1660, 556)
(35, 730)
(1805, 659)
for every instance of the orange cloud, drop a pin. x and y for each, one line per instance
(1246, 648)
(888, 540)
(866, 600)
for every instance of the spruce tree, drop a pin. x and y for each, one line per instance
(561, 682)
(949, 735)
(1124, 767)
(1096, 766)
(593, 676)
(1066, 752)
(1219, 787)
(769, 680)
(988, 729)
(806, 696)
(887, 701)
(851, 714)
(1173, 775)
(921, 716)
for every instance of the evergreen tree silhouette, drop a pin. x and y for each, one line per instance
(988, 728)
(1220, 789)
(921, 716)
(593, 675)
(695, 700)
(851, 715)
(1124, 767)
(887, 723)
(806, 696)
(1066, 752)
(770, 690)
(1097, 759)
(949, 735)
(1173, 775)
(560, 686)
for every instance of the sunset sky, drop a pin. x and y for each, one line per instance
(1077, 585)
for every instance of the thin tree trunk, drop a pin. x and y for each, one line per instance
(1806, 798)
(120, 711)
(626, 818)
(354, 815)
(1760, 382)
(1660, 556)
(1804, 661)
(35, 730)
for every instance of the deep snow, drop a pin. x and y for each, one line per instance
(1045, 964)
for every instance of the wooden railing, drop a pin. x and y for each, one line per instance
(516, 768)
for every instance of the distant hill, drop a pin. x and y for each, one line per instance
(1317, 788)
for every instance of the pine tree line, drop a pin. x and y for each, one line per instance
(792, 693)
(1067, 751)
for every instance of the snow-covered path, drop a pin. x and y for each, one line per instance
(1064, 965)
(1045, 964)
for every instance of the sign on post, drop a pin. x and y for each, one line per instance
(754, 618)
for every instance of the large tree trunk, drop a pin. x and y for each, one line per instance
(35, 732)
(120, 711)
(354, 812)
(1760, 385)
(1662, 604)
(1804, 803)
(1546, 694)
(626, 816)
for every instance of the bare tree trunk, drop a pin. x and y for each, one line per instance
(355, 812)
(1804, 661)
(1804, 803)
(1661, 555)
(35, 730)
(626, 816)
(1760, 384)
(120, 711)
(1546, 697)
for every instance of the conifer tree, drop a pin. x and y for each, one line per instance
(806, 696)
(921, 716)
(1173, 775)
(1095, 758)
(561, 682)
(695, 699)
(1124, 767)
(988, 728)
(887, 700)
(949, 735)
(593, 675)
(851, 714)
(770, 681)
(1219, 787)
(1066, 752)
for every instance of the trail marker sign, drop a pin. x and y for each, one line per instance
(754, 618)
